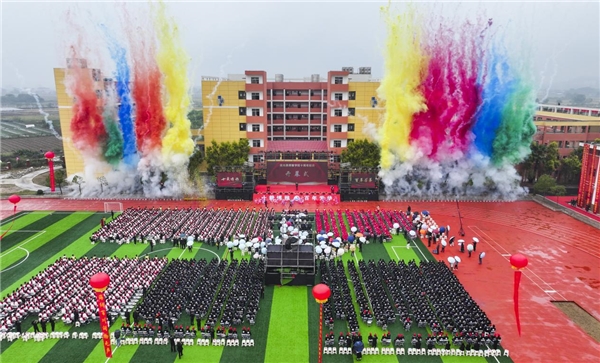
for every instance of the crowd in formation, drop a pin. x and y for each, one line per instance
(59, 293)
(155, 225)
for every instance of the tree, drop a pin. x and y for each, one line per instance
(570, 169)
(196, 119)
(78, 180)
(544, 159)
(227, 154)
(546, 185)
(195, 161)
(362, 153)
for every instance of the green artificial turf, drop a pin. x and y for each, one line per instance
(14, 238)
(289, 319)
(260, 331)
(285, 331)
(19, 222)
(60, 236)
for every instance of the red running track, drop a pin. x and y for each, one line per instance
(564, 264)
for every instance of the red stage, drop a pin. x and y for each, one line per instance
(306, 194)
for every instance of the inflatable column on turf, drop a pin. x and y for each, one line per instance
(50, 156)
(100, 283)
(518, 262)
(14, 199)
(321, 292)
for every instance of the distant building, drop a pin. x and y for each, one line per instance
(589, 188)
(568, 126)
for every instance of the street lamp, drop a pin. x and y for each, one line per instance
(321, 293)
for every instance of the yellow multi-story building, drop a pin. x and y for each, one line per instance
(279, 115)
(73, 158)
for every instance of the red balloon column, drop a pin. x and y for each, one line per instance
(321, 293)
(50, 156)
(14, 199)
(100, 283)
(518, 262)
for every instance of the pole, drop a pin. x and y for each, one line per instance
(51, 177)
(320, 333)
(461, 231)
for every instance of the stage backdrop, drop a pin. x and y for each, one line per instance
(296, 172)
(363, 180)
(230, 180)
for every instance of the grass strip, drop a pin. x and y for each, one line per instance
(12, 238)
(260, 331)
(57, 238)
(289, 319)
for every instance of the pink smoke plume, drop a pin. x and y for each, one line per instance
(450, 89)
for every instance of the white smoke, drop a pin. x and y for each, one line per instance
(45, 114)
(457, 176)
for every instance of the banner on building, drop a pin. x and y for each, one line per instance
(296, 172)
(229, 179)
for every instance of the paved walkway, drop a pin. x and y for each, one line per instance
(26, 181)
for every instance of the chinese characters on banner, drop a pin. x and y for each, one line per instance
(104, 323)
(363, 180)
(229, 179)
(296, 172)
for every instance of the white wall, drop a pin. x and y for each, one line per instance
(344, 142)
(344, 127)
(249, 78)
(249, 95)
(249, 111)
(344, 111)
(344, 96)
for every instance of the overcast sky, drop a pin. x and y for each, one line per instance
(301, 38)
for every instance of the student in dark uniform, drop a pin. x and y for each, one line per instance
(180, 349)
(172, 341)
(52, 324)
(36, 329)
(43, 324)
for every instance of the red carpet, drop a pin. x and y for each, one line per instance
(564, 201)
(306, 194)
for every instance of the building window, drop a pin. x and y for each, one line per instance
(336, 159)
(255, 96)
(254, 80)
(256, 112)
(256, 128)
(337, 143)
(337, 112)
(351, 111)
(255, 143)
(337, 128)
(337, 96)
(338, 80)
(256, 158)
(242, 111)
(350, 127)
(242, 95)
(352, 95)
(242, 127)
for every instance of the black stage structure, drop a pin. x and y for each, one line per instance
(358, 183)
(234, 182)
(289, 264)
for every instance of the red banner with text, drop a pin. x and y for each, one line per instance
(229, 179)
(104, 323)
(363, 180)
(296, 172)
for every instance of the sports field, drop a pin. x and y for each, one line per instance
(287, 323)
